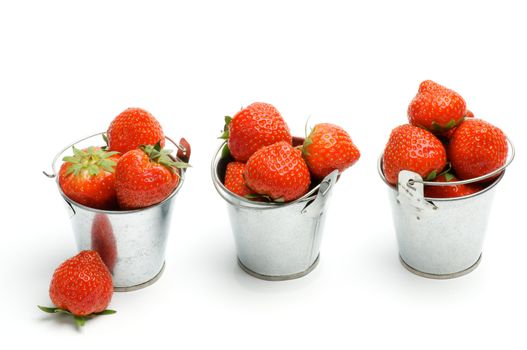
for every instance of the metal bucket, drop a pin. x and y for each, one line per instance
(440, 238)
(276, 241)
(131, 242)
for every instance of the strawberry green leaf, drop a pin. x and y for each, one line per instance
(49, 310)
(105, 312)
(228, 120)
(225, 151)
(80, 320)
(93, 169)
(449, 177)
(431, 176)
(308, 141)
(71, 159)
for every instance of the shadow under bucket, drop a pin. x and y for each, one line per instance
(440, 238)
(275, 241)
(130, 242)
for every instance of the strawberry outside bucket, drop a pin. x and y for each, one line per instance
(276, 241)
(131, 242)
(441, 238)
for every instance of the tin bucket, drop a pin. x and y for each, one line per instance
(131, 242)
(276, 241)
(441, 238)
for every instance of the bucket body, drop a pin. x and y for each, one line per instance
(441, 237)
(130, 242)
(276, 241)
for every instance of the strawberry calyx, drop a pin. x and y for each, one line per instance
(162, 156)
(92, 160)
(225, 134)
(225, 151)
(79, 320)
(438, 128)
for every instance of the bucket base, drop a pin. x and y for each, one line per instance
(142, 285)
(282, 277)
(437, 276)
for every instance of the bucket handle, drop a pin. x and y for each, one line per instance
(183, 152)
(314, 207)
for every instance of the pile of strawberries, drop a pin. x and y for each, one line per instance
(269, 164)
(133, 171)
(444, 143)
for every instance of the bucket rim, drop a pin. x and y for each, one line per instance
(113, 212)
(234, 199)
(499, 173)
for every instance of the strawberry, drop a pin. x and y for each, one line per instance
(329, 147)
(81, 286)
(88, 177)
(477, 148)
(132, 128)
(448, 134)
(436, 108)
(234, 181)
(415, 149)
(450, 191)
(103, 240)
(256, 126)
(146, 176)
(278, 171)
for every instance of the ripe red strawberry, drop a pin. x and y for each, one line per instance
(132, 128)
(103, 240)
(81, 286)
(436, 108)
(146, 176)
(329, 147)
(477, 148)
(234, 180)
(415, 149)
(88, 177)
(256, 126)
(278, 171)
(448, 134)
(450, 191)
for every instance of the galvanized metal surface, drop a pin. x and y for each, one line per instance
(440, 237)
(276, 241)
(131, 242)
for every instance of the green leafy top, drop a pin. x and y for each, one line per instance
(92, 159)
(225, 134)
(79, 320)
(162, 156)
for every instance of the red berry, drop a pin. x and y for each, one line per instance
(145, 177)
(132, 128)
(256, 126)
(477, 148)
(436, 108)
(88, 177)
(82, 284)
(103, 240)
(278, 171)
(329, 147)
(450, 191)
(234, 180)
(448, 134)
(414, 149)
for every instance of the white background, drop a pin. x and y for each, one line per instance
(66, 69)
